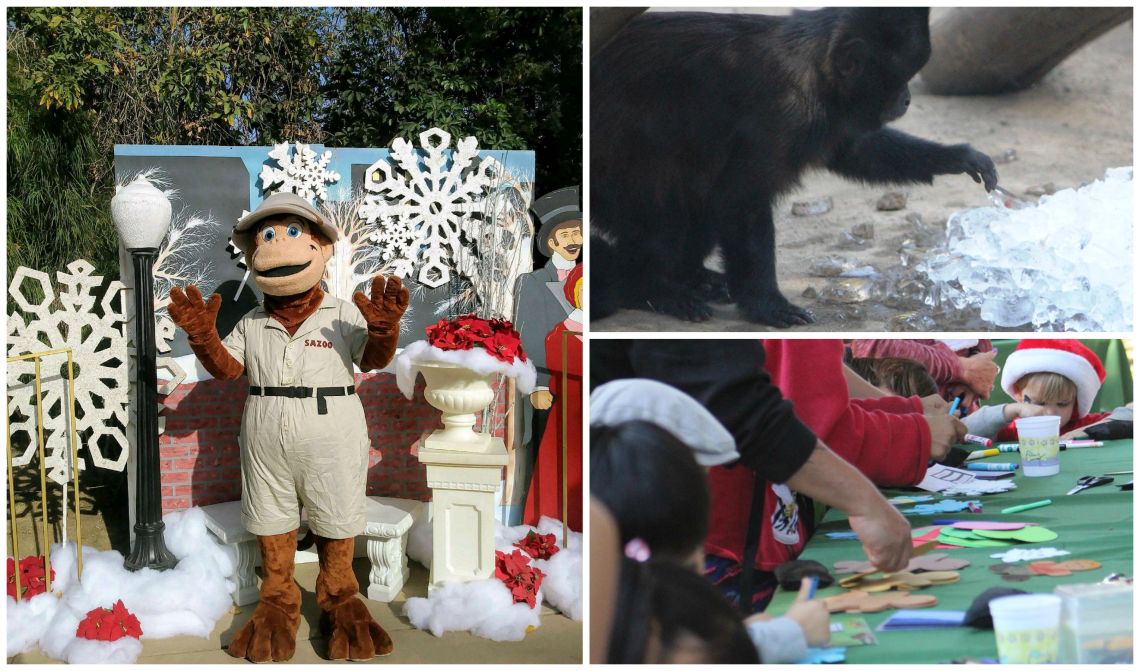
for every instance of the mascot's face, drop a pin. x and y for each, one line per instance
(289, 256)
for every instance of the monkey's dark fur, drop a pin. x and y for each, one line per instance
(700, 121)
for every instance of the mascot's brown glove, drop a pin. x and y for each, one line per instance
(382, 313)
(199, 320)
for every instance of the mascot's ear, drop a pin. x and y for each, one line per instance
(325, 244)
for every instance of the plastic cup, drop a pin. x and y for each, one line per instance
(1039, 441)
(1026, 627)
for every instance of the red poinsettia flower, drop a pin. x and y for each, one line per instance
(539, 546)
(109, 624)
(32, 576)
(522, 579)
(475, 329)
(502, 347)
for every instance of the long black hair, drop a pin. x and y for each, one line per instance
(653, 485)
(662, 606)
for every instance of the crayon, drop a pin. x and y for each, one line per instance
(992, 467)
(977, 440)
(1028, 506)
(982, 454)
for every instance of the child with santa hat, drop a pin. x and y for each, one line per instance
(1048, 377)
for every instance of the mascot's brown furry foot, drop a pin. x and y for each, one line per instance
(346, 624)
(271, 633)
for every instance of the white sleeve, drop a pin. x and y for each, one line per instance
(779, 641)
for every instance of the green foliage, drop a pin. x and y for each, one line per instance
(511, 77)
(82, 80)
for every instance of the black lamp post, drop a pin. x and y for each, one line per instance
(142, 215)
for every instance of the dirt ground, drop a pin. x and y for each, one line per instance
(1070, 128)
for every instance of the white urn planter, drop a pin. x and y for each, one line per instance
(460, 394)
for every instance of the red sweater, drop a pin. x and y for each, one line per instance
(887, 439)
(1009, 433)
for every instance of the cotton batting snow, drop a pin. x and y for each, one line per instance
(485, 607)
(188, 599)
(1065, 264)
(476, 359)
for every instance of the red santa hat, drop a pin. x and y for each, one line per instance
(1064, 357)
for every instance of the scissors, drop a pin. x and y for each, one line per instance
(1089, 481)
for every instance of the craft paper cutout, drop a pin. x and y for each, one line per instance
(967, 543)
(903, 581)
(842, 535)
(825, 656)
(926, 534)
(1013, 573)
(1020, 554)
(906, 620)
(862, 602)
(1025, 535)
(939, 561)
(908, 499)
(851, 631)
(996, 526)
(947, 506)
(980, 487)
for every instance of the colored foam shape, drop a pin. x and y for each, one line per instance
(1025, 535)
(985, 543)
(962, 533)
(990, 526)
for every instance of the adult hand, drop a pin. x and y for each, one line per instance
(812, 616)
(541, 399)
(979, 372)
(885, 534)
(935, 405)
(945, 431)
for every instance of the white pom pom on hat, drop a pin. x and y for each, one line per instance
(1064, 357)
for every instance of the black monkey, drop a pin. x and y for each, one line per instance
(699, 121)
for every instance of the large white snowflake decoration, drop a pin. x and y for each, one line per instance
(303, 172)
(99, 352)
(421, 210)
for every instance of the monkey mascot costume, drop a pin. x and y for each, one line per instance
(304, 440)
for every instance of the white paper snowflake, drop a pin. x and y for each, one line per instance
(303, 172)
(421, 205)
(99, 352)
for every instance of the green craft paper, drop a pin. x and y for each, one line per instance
(961, 533)
(966, 543)
(1025, 535)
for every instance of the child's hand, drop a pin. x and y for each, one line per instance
(1018, 410)
(1075, 433)
(812, 616)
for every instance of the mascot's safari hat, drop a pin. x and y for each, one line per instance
(553, 209)
(278, 204)
(1064, 357)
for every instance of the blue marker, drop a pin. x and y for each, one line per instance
(954, 407)
(992, 467)
(814, 584)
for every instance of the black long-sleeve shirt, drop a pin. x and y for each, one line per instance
(728, 378)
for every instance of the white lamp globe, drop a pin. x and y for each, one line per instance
(141, 213)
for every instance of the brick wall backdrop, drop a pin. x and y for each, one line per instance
(199, 449)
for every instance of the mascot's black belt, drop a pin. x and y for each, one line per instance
(305, 392)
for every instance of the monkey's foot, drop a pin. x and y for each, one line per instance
(270, 635)
(710, 285)
(353, 634)
(679, 302)
(774, 311)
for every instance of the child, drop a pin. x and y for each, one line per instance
(658, 493)
(896, 376)
(1047, 377)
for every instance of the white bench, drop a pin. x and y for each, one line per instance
(385, 541)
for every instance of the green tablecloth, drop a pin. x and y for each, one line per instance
(1092, 524)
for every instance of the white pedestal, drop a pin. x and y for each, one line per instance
(464, 486)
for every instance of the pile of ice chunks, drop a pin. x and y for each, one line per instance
(1065, 264)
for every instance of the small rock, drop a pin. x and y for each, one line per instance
(1007, 156)
(828, 266)
(848, 241)
(894, 200)
(808, 208)
(853, 312)
(855, 290)
(912, 321)
(865, 231)
(1047, 189)
(810, 292)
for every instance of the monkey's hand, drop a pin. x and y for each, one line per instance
(199, 320)
(977, 165)
(193, 315)
(382, 313)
